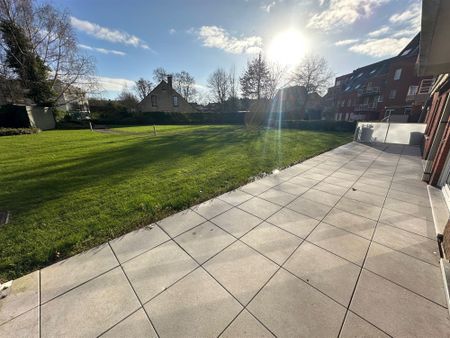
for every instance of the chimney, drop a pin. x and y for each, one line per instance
(169, 80)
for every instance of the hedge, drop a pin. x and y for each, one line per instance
(14, 117)
(322, 125)
(17, 131)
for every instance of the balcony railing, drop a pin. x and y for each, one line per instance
(366, 107)
(369, 91)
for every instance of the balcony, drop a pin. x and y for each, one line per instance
(369, 91)
(366, 107)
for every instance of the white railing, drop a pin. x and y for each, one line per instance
(389, 132)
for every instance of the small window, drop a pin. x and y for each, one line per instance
(360, 74)
(154, 99)
(357, 86)
(175, 101)
(373, 71)
(338, 82)
(412, 90)
(398, 74)
(380, 98)
(392, 94)
(348, 88)
(406, 52)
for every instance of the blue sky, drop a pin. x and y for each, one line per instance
(131, 38)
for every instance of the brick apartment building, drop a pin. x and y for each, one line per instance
(389, 89)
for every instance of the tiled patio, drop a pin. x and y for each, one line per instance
(341, 245)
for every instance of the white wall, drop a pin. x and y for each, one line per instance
(384, 132)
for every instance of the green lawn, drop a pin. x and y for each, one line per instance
(69, 190)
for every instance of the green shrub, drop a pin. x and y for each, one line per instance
(18, 131)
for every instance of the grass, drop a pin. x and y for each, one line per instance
(70, 190)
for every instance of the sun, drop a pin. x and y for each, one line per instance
(287, 48)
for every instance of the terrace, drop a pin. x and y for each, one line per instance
(342, 244)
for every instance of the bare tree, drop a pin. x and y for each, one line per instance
(127, 99)
(160, 74)
(53, 41)
(233, 83)
(219, 85)
(256, 78)
(185, 85)
(314, 74)
(276, 80)
(143, 88)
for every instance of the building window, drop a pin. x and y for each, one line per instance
(412, 90)
(406, 52)
(380, 98)
(398, 74)
(425, 86)
(392, 94)
(349, 103)
(175, 101)
(342, 103)
(154, 99)
(338, 82)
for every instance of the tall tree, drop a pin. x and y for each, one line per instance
(219, 85)
(52, 49)
(185, 85)
(160, 74)
(143, 88)
(127, 99)
(314, 74)
(256, 78)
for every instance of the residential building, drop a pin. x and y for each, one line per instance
(164, 98)
(389, 89)
(295, 103)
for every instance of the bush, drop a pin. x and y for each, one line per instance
(18, 131)
(319, 125)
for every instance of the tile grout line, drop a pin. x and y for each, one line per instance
(39, 305)
(367, 252)
(134, 291)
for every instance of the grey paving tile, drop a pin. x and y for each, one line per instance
(136, 242)
(204, 241)
(292, 188)
(321, 197)
(255, 188)
(397, 311)
(366, 197)
(375, 182)
(277, 196)
(339, 181)
(196, 306)
(309, 208)
(246, 326)
(22, 296)
(306, 182)
(241, 270)
(180, 222)
(61, 277)
(272, 180)
(291, 308)
(331, 188)
(340, 242)
(211, 208)
(373, 189)
(24, 326)
(155, 270)
(414, 190)
(359, 208)
(314, 175)
(136, 325)
(355, 326)
(259, 207)
(408, 243)
(236, 221)
(408, 208)
(420, 226)
(356, 224)
(329, 273)
(235, 197)
(272, 242)
(406, 197)
(289, 220)
(91, 308)
(418, 276)
(345, 176)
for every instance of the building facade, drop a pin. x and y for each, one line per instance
(163, 98)
(386, 90)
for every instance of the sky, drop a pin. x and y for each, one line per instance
(129, 39)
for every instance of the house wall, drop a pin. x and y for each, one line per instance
(41, 117)
(165, 94)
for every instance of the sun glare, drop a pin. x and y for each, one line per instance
(287, 48)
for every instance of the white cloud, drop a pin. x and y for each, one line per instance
(411, 16)
(217, 37)
(380, 47)
(102, 50)
(379, 32)
(113, 84)
(172, 31)
(346, 42)
(104, 33)
(342, 13)
(268, 6)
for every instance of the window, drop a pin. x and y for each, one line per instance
(342, 103)
(392, 94)
(175, 101)
(380, 98)
(154, 100)
(406, 52)
(349, 103)
(412, 90)
(338, 82)
(357, 86)
(360, 74)
(373, 71)
(348, 88)
(425, 86)
(398, 74)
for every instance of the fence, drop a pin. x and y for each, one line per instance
(390, 132)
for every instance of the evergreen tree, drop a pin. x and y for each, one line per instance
(256, 79)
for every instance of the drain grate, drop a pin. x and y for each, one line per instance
(4, 217)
